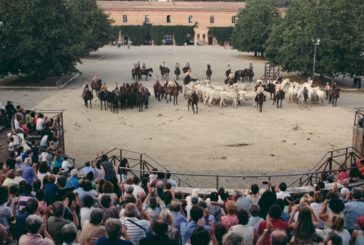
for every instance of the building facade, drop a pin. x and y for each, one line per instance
(201, 15)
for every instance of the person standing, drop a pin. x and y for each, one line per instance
(177, 71)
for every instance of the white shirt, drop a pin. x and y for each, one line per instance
(85, 214)
(44, 141)
(40, 124)
(66, 165)
(246, 231)
(137, 189)
(282, 195)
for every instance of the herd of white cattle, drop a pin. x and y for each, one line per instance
(210, 93)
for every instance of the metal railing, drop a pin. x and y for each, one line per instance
(141, 163)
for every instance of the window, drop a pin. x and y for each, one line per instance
(146, 18)
(125, 18)
(212, 19)
(190, 19)
(169, 19)
(234, 19)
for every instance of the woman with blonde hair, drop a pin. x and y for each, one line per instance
(230, 219)
(173, 233)
(336, 225)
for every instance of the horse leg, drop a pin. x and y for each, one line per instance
(260, 107)
(196, 109)
(90, 103)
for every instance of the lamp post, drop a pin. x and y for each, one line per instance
(316, 43)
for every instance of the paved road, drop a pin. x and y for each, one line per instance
(114, 65)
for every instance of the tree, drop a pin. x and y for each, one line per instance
(39, 38)
(334, 22)
(254, 26)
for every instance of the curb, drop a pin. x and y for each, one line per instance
(41, 88)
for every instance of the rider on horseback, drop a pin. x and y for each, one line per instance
(260, 88)
(228, 71)
(144, 67)
(305, 94)
(250, 66)
(104, 87)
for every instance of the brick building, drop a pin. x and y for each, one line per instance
(202, 15)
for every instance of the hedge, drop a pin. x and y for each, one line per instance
(222, 34)
(138, 33)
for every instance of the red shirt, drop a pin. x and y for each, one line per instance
(277, 224)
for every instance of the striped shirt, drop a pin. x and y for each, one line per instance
(135, 232)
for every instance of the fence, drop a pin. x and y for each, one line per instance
(141, 163)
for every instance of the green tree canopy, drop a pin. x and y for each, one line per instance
(334, 22)
(254, 25)
(47, 37)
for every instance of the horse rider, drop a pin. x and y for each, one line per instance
(260, 88)
(104, 87)
(305, 94)
(231, 79)
(327, 90)
(251, 66)
(164, 64)
(187, 78)
(85, 88)
(144, 67)
(278, 87)
(228, 70)
(177, 71)
(208, 66)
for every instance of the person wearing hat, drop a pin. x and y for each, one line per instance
(187, 78)
(177, 71)
(228, 71)
(260, 88)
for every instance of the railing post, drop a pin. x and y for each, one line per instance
(179, 182)
(217, 182)
(121, 154)
(141, 165)
(330, 161)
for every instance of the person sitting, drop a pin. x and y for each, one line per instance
(34, 226)
(114, 232)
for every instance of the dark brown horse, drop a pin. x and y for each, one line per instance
(96, 84)
(259, 99)
(87, 97)
(147, 73)
(335, 95)
(243, 74)
(208, 72)
(193, 101)
(158, 91)
(175, 92)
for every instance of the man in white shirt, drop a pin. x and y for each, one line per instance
(137, 189)
(282, 194)
(40, 123)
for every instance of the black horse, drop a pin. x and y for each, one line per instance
(103, 96)
(193, 101)
(186, 69)
(147, 73)
(259, 99)
(87, 97)
(243, 74)
(208, 72)
(164, 72)
(271, 89)
(278, 98)
(136, 73)
(177, 72)
(334, 96)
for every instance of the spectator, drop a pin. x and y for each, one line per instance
(207, 220)
(353, 209)
(255, 220)
(66, 165)
(43, 171)
(137, 188)
(35, 227)
(50, 190)
(254, 193)
(85, 189)
(55, 223)
(316, 207)
(108, 208)
(282, 193)
(274, 221)
(114, 232)
(232, 238)
(87, 168)
(9, 181)
(336, 225)
(6, 214)
(28, 172)
(173, 233)
(158, 234)
(92, 229)
(242, 202)
(243, 229)
(215, 208)
(153, 205)
(136, 228)
(25, 193)
(358, 235)
(177, 214)
(108, 189)
(333, 239)
(267, 199)
(230, 219)
(200, 236)
(188, 228)
(171, 181)
(87, 208)
(217, 233)
(20, 223)
(69, 234)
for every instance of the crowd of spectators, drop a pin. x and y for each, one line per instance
(45, 200)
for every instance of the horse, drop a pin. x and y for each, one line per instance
(185, 69)
(87, 96)
(193, 101)
(335, 95)
(136, 73)
(146, 95)
(208, 73)
(259, 99)
(158, 90)
(140, 100)
(113, 99)
(271, 89)
(147, 73)
(230, 81)
(278, 98)
(175, 92)
(96, 84)
(246, 73)
(103, 97)
(164, 72)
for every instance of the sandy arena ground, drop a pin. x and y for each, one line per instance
(217, 140)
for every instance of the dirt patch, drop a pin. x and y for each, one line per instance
(237, 145)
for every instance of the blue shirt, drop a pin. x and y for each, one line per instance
(352, 211)
(178, 218)
(28, 173)
(72, 183)
(187, 230)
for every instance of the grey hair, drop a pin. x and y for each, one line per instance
(69, 233)
(33, 223)
(131, 210)
(232, 238)
(113, 228)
